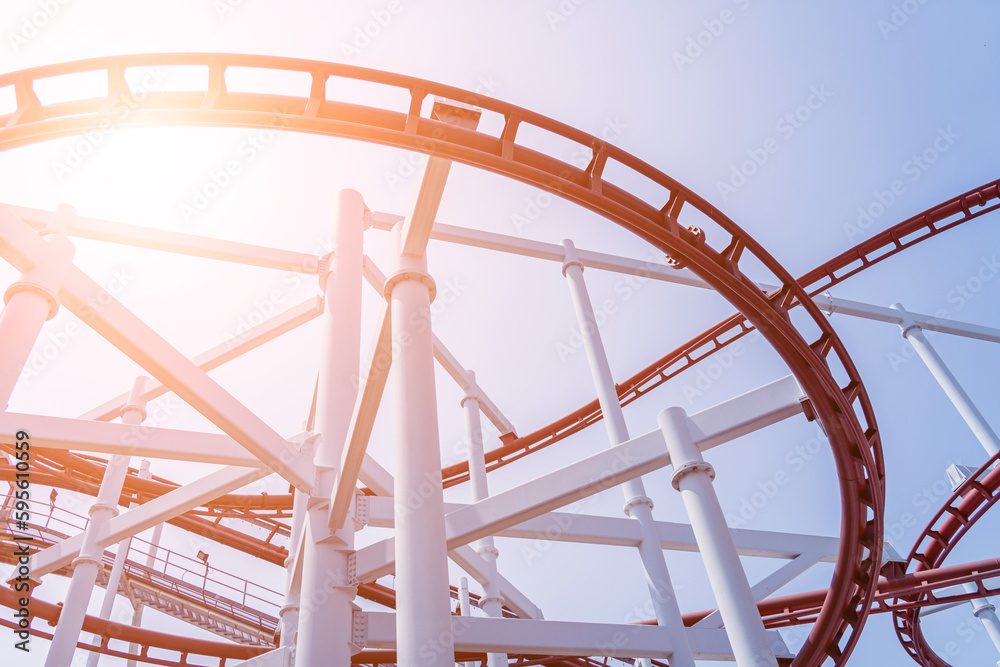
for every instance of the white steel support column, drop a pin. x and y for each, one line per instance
(693, 477)
(288, 615)
(492, 601)
(89, 563)
(326, 614)
(970, 413)
(986, 613)
(637, 504)
(154, 547)
(134, 415)
(423, 605)
(32, 300)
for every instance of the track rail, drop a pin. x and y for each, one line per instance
(960, 512)
(712, 245)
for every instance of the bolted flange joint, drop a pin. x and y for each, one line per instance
(134, 408)
(409, 274)
(96, 507)
(486, 599)
(690, 467)
(44, 292)
(488, 550)
(571, 257)
(638, 500)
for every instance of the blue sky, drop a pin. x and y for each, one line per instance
(841, 107)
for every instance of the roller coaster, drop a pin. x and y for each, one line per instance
(337, 488)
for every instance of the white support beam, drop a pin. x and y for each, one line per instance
(769, 584)
(622, 532)
(638, 456)
(474, 564)
(834, 305)
(552, 252)
(147, 515)
(224, 352)
(366, 406)
(375, 477)
(62, 433)
(174, 242)
(448, 362)
(555, 253)
(563, 638)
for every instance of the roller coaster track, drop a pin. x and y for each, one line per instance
(681, 224)
(968, 504)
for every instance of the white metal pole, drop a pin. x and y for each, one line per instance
(693, 477)
(133, 649)
(423, 607)
(32, 300)
(89, 563)
(970, 413)
(326, 612)
(492, 601)
(986, 613)
(289, 612)
(637, 504)
(150, 563)
(133, 414)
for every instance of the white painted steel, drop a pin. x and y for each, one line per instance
(638, 505)
(491, 601)
(956, 394)
(133, 414)
(692, 477)
(325, 617)
(422, 599)
(89, 563)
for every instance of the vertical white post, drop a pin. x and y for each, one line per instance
(693, 477)
(423, 603)
(637, 504)
(131, 414)
(970, 413)
(89, 563)
(326, 613)
(289, 612)
(986, 613)
(491, 602)
(154, 542)
(32, 300)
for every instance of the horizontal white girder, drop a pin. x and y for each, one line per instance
(624, 532)
(564, 638)
(174, 242)
(548, 251)
(834, 305)
(756, 409)
(113, 438)
(147, 515)
(644, 269)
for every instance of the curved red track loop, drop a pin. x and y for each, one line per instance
(969, 503)
(713, 255)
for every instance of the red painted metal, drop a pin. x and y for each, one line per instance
(854, 440)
